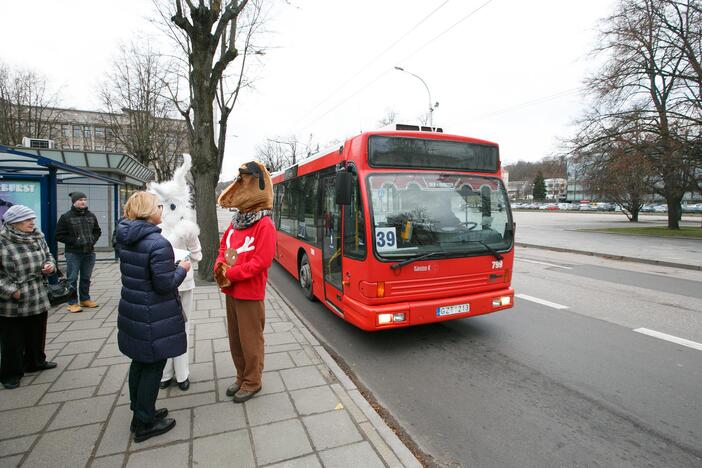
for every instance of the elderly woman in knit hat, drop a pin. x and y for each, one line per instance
(25, 261)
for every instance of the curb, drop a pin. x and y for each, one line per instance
(400, 450)
(612, 256)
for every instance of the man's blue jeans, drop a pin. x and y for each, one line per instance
(80, 263)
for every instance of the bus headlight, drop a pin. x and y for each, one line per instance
(384, 319)
(501, 301)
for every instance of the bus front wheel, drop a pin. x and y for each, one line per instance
(305, 275)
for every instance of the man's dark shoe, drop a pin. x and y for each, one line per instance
(11, 383)
(184, 385)
(165, 384)
(242, 395)
(147, 431)
(233, 388)
(160, 414)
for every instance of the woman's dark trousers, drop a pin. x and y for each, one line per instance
(22, 341)
(144, 380)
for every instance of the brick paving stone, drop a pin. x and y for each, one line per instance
(220, 417)
(116, 437)
(199, 314)
(385, 452)
(21, 397)
(113, 461)
(310, 461)
(220, 345)
(114, 379)
(302, 377)
(72, 447)
(181, 431)
(17, 445)
(10, 462)
(323, 437)
(277, 361)
(272, 383)
(174, 456)
(25, 421)
(201, 372)
(79, 378)
(279, 338)
(56, 327)
(78, 347)
(49, 376)
(224, 365)
(360, 454)
(203, 351)
(82, 412)
(301, 358)
(195, 387)
(109, 350)
(282, 327)
(280, 441)
(208, 304)
(78, 335)
(315, 400)
(230, 449)
(282, 348)
(188, 401)
(209, 331)
(85, 325)
(111, 361)
(81, 361)
(66, 395)
(269, 408)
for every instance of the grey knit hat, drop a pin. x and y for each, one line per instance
(17, 214)
(75, 196)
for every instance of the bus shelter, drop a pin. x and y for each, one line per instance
(43, 178)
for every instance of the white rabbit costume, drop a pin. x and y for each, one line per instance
(179, 227)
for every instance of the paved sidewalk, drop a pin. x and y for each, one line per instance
(308, 413)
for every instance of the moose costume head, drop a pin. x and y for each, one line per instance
(178, 216)
(251, 191)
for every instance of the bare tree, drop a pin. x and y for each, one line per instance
(281, 152)
(139, 111)
(390, 117)
(211, 36)
(27, 107)
(640, 89)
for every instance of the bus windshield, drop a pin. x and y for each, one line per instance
(453, 214)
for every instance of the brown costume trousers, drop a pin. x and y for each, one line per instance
(245, 322)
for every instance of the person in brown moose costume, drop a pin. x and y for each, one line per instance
(241, 270)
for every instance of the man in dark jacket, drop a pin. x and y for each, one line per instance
(78, 228)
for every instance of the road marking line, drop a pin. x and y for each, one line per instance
(552, 265)
(671, 338)
(541, 301)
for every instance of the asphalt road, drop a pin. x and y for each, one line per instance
(562, 379)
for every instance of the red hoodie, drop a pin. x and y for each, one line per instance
(250, 272)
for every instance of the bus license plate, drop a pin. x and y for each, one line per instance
(451, 310)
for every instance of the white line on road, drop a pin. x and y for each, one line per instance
(552, 265)
(541, 301)
(671, 338)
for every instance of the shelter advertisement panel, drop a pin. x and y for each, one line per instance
(20, 192)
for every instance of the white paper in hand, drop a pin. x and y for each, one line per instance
(181, 254)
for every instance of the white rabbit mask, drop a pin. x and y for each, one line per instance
(178, 216)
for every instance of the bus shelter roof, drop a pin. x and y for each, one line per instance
(75, 167)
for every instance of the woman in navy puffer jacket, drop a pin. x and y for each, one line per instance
(150, 321)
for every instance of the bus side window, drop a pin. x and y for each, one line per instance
(355, 225)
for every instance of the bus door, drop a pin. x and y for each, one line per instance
(331, 242)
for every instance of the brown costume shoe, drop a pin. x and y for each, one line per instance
(242, 395)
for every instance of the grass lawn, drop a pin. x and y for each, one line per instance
(658, 231)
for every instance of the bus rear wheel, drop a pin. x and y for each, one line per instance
(305, 275)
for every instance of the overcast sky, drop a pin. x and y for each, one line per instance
(502, 70)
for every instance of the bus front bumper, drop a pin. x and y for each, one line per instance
(378, 317)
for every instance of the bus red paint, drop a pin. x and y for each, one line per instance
(398, 228)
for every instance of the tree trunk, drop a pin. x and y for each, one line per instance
(634, 218)
(205, 202)
(674, 212)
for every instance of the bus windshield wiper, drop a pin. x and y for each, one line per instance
(488, 248)
(416, 259)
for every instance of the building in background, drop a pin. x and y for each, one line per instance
(556, 189)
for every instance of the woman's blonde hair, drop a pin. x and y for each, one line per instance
(141, 205)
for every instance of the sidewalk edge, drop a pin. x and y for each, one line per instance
(623, 258)
(400, 450)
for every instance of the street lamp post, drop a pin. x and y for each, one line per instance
(431, 106)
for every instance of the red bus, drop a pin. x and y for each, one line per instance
(398, 228)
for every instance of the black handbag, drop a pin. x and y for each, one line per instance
(61, 291)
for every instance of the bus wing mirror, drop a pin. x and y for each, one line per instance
(344, 188)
